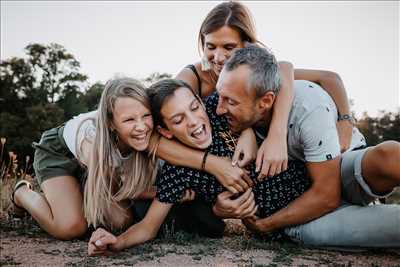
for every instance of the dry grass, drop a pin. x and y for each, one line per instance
(10, 172)
(25, 244)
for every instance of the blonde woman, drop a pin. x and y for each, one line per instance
(109, 147)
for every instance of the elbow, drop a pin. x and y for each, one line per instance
(286, 65)
(331, 75)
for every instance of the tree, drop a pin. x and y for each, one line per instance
(16, 79)
(386, 126)
(56, 70)
(92, 96)
(72, 103)
(38, 92)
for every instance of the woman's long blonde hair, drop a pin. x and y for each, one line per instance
(109, 182)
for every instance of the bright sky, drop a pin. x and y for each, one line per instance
(359, 40)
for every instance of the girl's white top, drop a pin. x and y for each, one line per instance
(83, 127)
(79, 128)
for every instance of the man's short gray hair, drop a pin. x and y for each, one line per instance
(264, 73)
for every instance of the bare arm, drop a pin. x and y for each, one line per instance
(102, 241)
(231, 177)
(206, 82)
(321, 198)
(246, 148)
(272, 155)
(283, 101)
(178, 154)
(189, 77)
(330, 82)
(333, 85)
(146, 229)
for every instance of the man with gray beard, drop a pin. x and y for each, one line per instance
(335, 210)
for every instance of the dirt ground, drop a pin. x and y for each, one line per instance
(23, 243)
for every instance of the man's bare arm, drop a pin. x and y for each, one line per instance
(322, 197)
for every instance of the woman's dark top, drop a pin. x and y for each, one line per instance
(193, 68)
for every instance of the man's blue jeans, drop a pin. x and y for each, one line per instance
(352, 226)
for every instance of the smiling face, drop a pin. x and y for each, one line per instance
(133, 123)
(239, 104)
(186, 119)
(219, 46)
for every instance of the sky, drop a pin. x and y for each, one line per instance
(359, 40)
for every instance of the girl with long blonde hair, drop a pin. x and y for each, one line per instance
(120, 166)
(104, 150)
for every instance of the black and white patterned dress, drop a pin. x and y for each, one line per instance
(271, 194)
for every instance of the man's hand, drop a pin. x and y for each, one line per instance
(345, 131)
(239, 208)
(101, 243)
(272, 157)
(231, 177)
(246, 149)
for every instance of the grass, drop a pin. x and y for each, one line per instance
(10, 172)
(236, 249)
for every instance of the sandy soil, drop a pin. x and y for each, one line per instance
(23, 243)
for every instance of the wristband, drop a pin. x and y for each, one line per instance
(203, 163)
(346, 117)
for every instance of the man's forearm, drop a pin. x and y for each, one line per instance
(307, 207)
(322, 197)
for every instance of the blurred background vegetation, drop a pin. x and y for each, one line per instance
(42, 90)
(46, 88)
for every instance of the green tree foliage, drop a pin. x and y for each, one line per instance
(72, 102)
(38, 92)
(386, 126)
(46, 88)
(92, 96)
(17, 81)
(56, 70)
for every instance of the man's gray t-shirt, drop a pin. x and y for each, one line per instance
(312, 133)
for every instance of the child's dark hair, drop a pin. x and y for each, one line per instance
(159, 92)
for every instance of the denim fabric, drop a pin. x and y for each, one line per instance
(352, 226)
